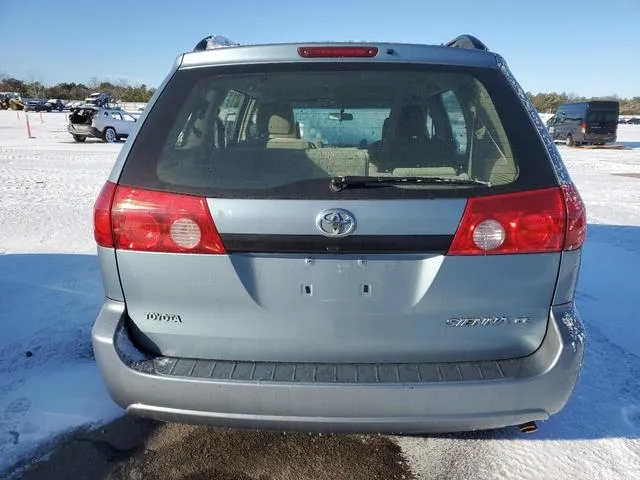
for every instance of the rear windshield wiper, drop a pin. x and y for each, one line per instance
(340, 183)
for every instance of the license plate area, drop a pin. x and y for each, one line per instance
(375, 282)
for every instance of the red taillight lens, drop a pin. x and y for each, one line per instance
(576, 218)
(151, 221)
(524, 222)
(337, 52)
(583, 127)
(102, 216)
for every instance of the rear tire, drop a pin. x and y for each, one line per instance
(109, 135)
(570, 142)
(79, 138)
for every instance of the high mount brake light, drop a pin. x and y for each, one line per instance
(338, 52)
(130, 218)
(538, 221)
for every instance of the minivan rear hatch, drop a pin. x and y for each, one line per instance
(233, 242)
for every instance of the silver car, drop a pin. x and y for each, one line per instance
(109, 125)
(340, 237)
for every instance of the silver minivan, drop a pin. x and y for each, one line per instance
(340, 237)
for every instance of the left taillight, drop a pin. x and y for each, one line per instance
(102, 216)
(152, 221)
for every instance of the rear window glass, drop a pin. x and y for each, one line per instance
(287, 133)
(607, 116)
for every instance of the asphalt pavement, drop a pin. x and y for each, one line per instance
(136, 449)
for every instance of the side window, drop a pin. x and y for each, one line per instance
(456, 118)
(431, 130)
(116, 116)
(230, 112)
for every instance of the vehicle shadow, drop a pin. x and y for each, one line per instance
(630, 144)
(49, 302)
(47, 372)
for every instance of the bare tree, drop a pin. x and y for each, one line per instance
(94, 82)
(36, 84)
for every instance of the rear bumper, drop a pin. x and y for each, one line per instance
(599, 138)
(83, 130)
(401, 398)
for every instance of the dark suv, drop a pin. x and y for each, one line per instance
(593, 122)
(340, 237)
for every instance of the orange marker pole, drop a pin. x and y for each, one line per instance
(28, 127)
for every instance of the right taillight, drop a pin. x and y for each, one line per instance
(537, 221)
(576, 218)
(152, 221)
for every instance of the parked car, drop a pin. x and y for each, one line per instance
(98, 99)
(55, 104)
(340, 237)
(634, 121)
(593, 122)
(37, 105)
(73, 104)
(107, 124)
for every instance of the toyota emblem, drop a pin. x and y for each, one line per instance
(335, 222)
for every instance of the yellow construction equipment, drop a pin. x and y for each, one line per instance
(11, 101)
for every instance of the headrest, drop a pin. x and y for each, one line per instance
(280, 125)
(275, 119)
(412, 122)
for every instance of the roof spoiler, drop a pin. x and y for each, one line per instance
(212, 42)
(467, 41)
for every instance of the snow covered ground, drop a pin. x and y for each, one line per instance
(49, 283)
(50, 294)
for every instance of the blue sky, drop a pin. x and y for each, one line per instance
(596, 52)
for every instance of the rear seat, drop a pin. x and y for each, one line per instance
(255, 167)
(340, 161)
(277, 164)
